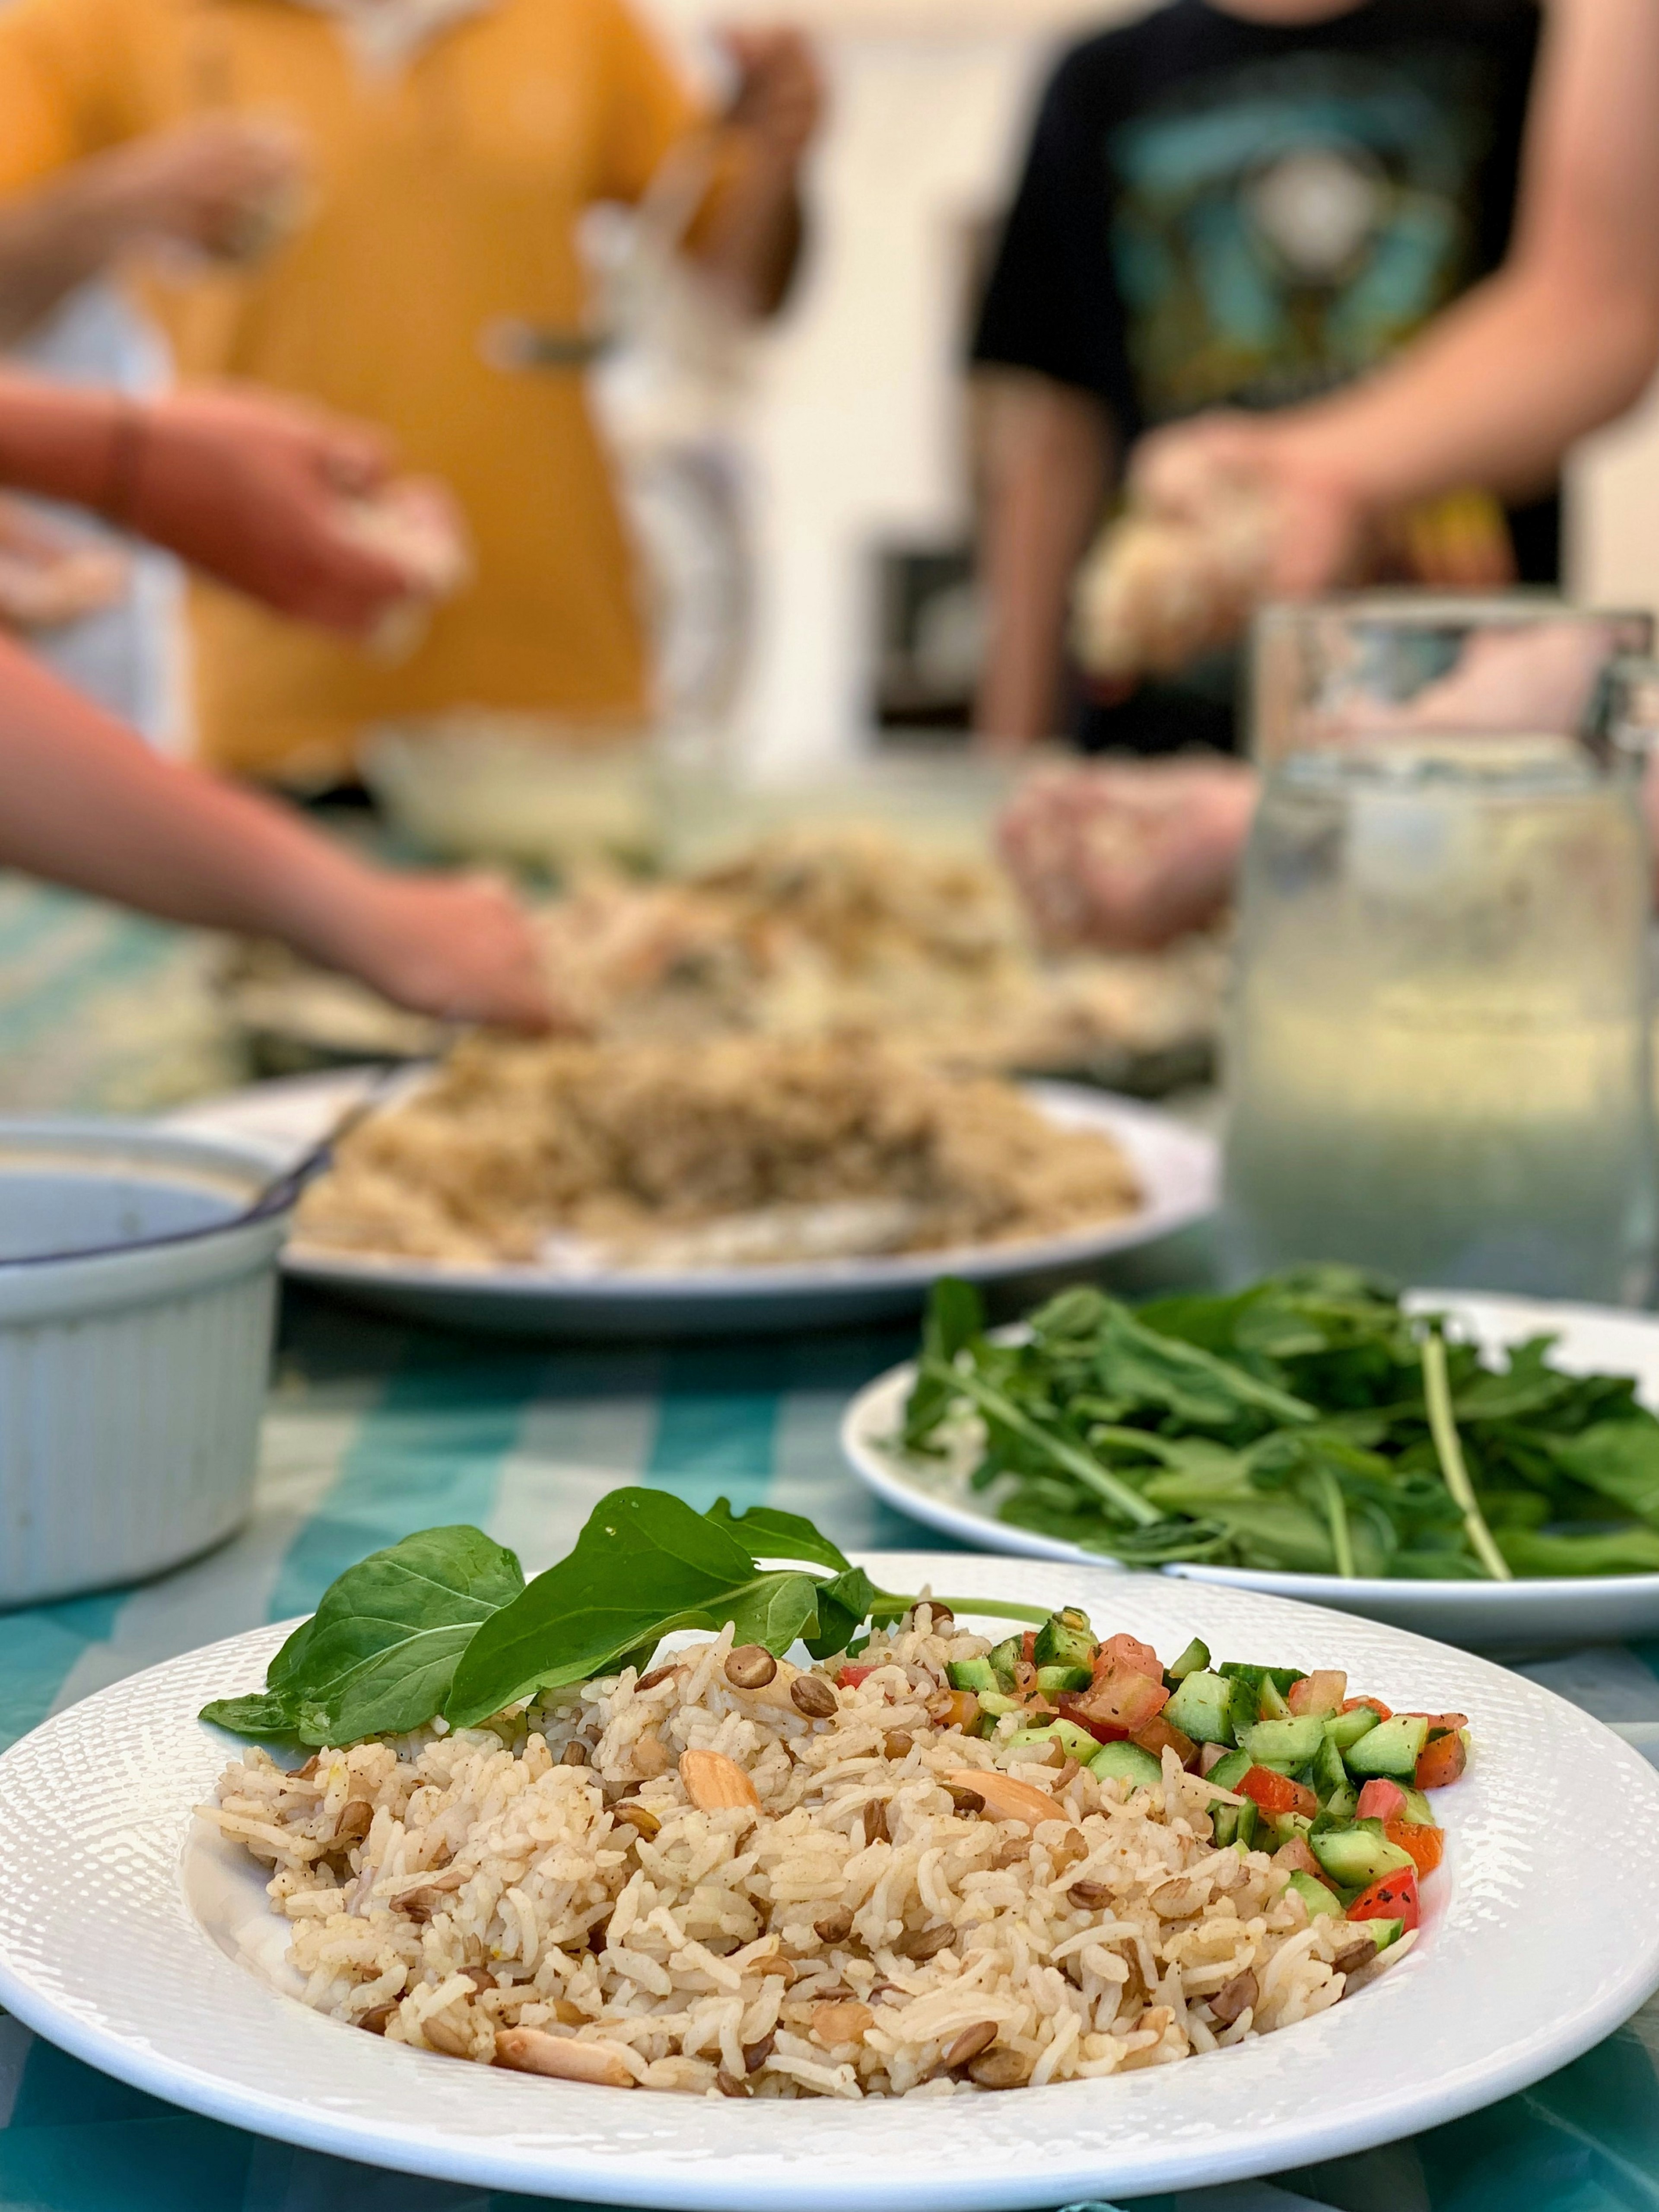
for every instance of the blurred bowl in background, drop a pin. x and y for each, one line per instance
(939, 800)
(135, 1314)
(525, 790)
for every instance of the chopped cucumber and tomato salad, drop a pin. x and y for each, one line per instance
(1335, 1787)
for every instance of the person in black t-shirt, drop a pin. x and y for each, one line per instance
(1232, 204)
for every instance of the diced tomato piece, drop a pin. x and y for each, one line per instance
(1122, 1696)
(1128, 1653)
(1320, 1693)
(1380, 1800)
(1295, 1858)
(1440, 1723)
(1028, 1646)
(1102, 1731)
(1394, 1898)
(1384, 1712)
(1158, 1737)
(850, 1677)
(1441, 1761)
(1277, 1793)
(1426, 1845)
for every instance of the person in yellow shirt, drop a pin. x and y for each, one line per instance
(417, 168)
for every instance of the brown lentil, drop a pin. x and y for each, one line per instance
(812, 1695)
(750, 1667)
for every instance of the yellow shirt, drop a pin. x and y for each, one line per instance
(444, 197)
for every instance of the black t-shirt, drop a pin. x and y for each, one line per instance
(1223, 213)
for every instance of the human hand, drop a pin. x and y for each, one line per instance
(780, 95)
(292, 505)
(461, 947)
(49, 576)
(227, 187)
(1126, 856)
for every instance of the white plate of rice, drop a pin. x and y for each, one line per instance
(1174, 1166)
(1530, 1614)
(132, 1934)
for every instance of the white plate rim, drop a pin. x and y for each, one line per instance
(1158, 1144)
(1505, 1837)
(1491, 1317)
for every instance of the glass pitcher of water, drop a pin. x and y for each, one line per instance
(1439, 1064)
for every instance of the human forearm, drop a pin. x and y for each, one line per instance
(1448, 414)
(51, 242)
(1046, 455)
(85, 804)
(751, 245)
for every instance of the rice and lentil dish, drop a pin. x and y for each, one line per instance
(741, 1150)
(733, 1876)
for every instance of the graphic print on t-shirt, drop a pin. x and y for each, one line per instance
(1279, 229)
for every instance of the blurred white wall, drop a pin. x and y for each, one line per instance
(854, 430)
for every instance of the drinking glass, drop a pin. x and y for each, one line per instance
(1439, 1061)
(1396, 665)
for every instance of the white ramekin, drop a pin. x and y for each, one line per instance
(136, 1316)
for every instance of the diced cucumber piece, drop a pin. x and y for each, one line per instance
(1320, 1901)
(1291, 1743)
(975, 1674)
(1258, 1692)
(1344, 1730)
(1202, 1708)
(1004, 1657)
(1418, 1811)
(1066, 1639)
(992, 1705)
(1326, 1773)
(1273, 1829)
(1194, 1659)
(1076, 1742)
(1227, 1773)
(1356, 1857)
(1337, 1811)
(1385, 1931)
(1055, 1681)
(1235, 1825)
(1391, 1748)
(1126, 1762)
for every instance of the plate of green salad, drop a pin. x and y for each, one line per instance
(1481, 1469)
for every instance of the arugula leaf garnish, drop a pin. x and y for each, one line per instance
(377, 1656)
(444, 1622)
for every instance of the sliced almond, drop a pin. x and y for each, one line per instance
(1005, 1798)
(562, 2058)
(354, 1822)
(1175, 1900)
(443, 2035)
(714, 1783)
(841, 2023)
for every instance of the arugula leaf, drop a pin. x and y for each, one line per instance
(377, 1656)
(1618, 1460)
(768, 1533)
(266, 1718)
(644, 1566)
(843, 1606)
(1198, 1387)
(1610, 1552)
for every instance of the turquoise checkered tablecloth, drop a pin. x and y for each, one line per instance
(375, 1429)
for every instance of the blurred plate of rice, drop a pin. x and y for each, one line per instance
(746, 1185)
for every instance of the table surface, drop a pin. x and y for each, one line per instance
(375, 1429)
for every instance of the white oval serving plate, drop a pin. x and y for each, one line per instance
(1177, 1167)
(128, 1935)
(1535, 1615)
